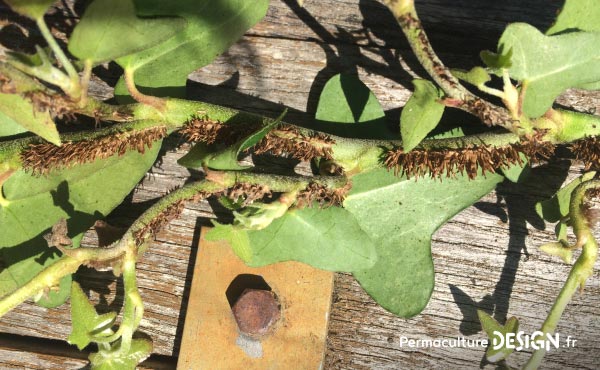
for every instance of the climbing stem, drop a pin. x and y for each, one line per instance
(126, 248)
(133, 306)
(47, 278)
(406, 15)
(581, 270)
(85, 82)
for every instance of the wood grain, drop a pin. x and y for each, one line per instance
(486, 257)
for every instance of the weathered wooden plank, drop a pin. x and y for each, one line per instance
(285, 61)
(17, 352)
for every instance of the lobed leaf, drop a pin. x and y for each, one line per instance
(15, 110)
(558, 249)
(330, 239)
(58, 295)
(548, 65)
(421, 114)
(139, 350)
(110, 29)
(345, 99)
(577, 15)
(81, 195)
(8, 127)
(203, 155)
(400, 216)
(492, 328)
(517, 173)
(557, 207)
(34, 9)
(212, 26)
(476, 76)
(23, 262)
(497, 61)
(85, 320)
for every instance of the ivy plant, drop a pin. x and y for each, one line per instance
(370, 208)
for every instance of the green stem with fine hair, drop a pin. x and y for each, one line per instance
(581, 270)
(406, 14)
(47, 278)
(133, 305)
(129, 243)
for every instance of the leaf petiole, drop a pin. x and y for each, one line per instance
(75, 89)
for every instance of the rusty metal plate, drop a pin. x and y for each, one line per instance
(211, 337)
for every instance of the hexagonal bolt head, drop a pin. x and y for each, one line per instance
(256, 312)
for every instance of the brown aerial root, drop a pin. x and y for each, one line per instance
(441, 163)
(58, 106)
(205, 130)
(326, 197)
(588, 151)
(42, 158)
(489, 114)
(248, 192)
(153, 227)
(6, 85)
(284, 140)
(289, 141)
(170, 213)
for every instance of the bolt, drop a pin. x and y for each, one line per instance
(256, 312)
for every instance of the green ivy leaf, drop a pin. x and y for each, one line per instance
(81, 195)
(15, 108)
(58, 295)
(34, 9)
(492, 328)
(212, 26)
(400, 216)
(561, 231)
(110, 29)
(115, 360)
(421, 114)
(202, 155)
(198, 156)
(31, 60)
(23, 262)
(577, 15)
(446, 133)
(345, 99)
(237, 238)
(85, 321)
(558, 249)
(476, 76)
(8, 127)
(497, 61)
(557, 207)
(548, 65)
(331, 240)
(517, 173)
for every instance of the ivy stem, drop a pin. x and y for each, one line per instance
(491, 91)
(581, 270)
(133, 306)
(48, 277)
(60, 55)
(406, 14)
(140, 97)
(127, 246)
(85, 82)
